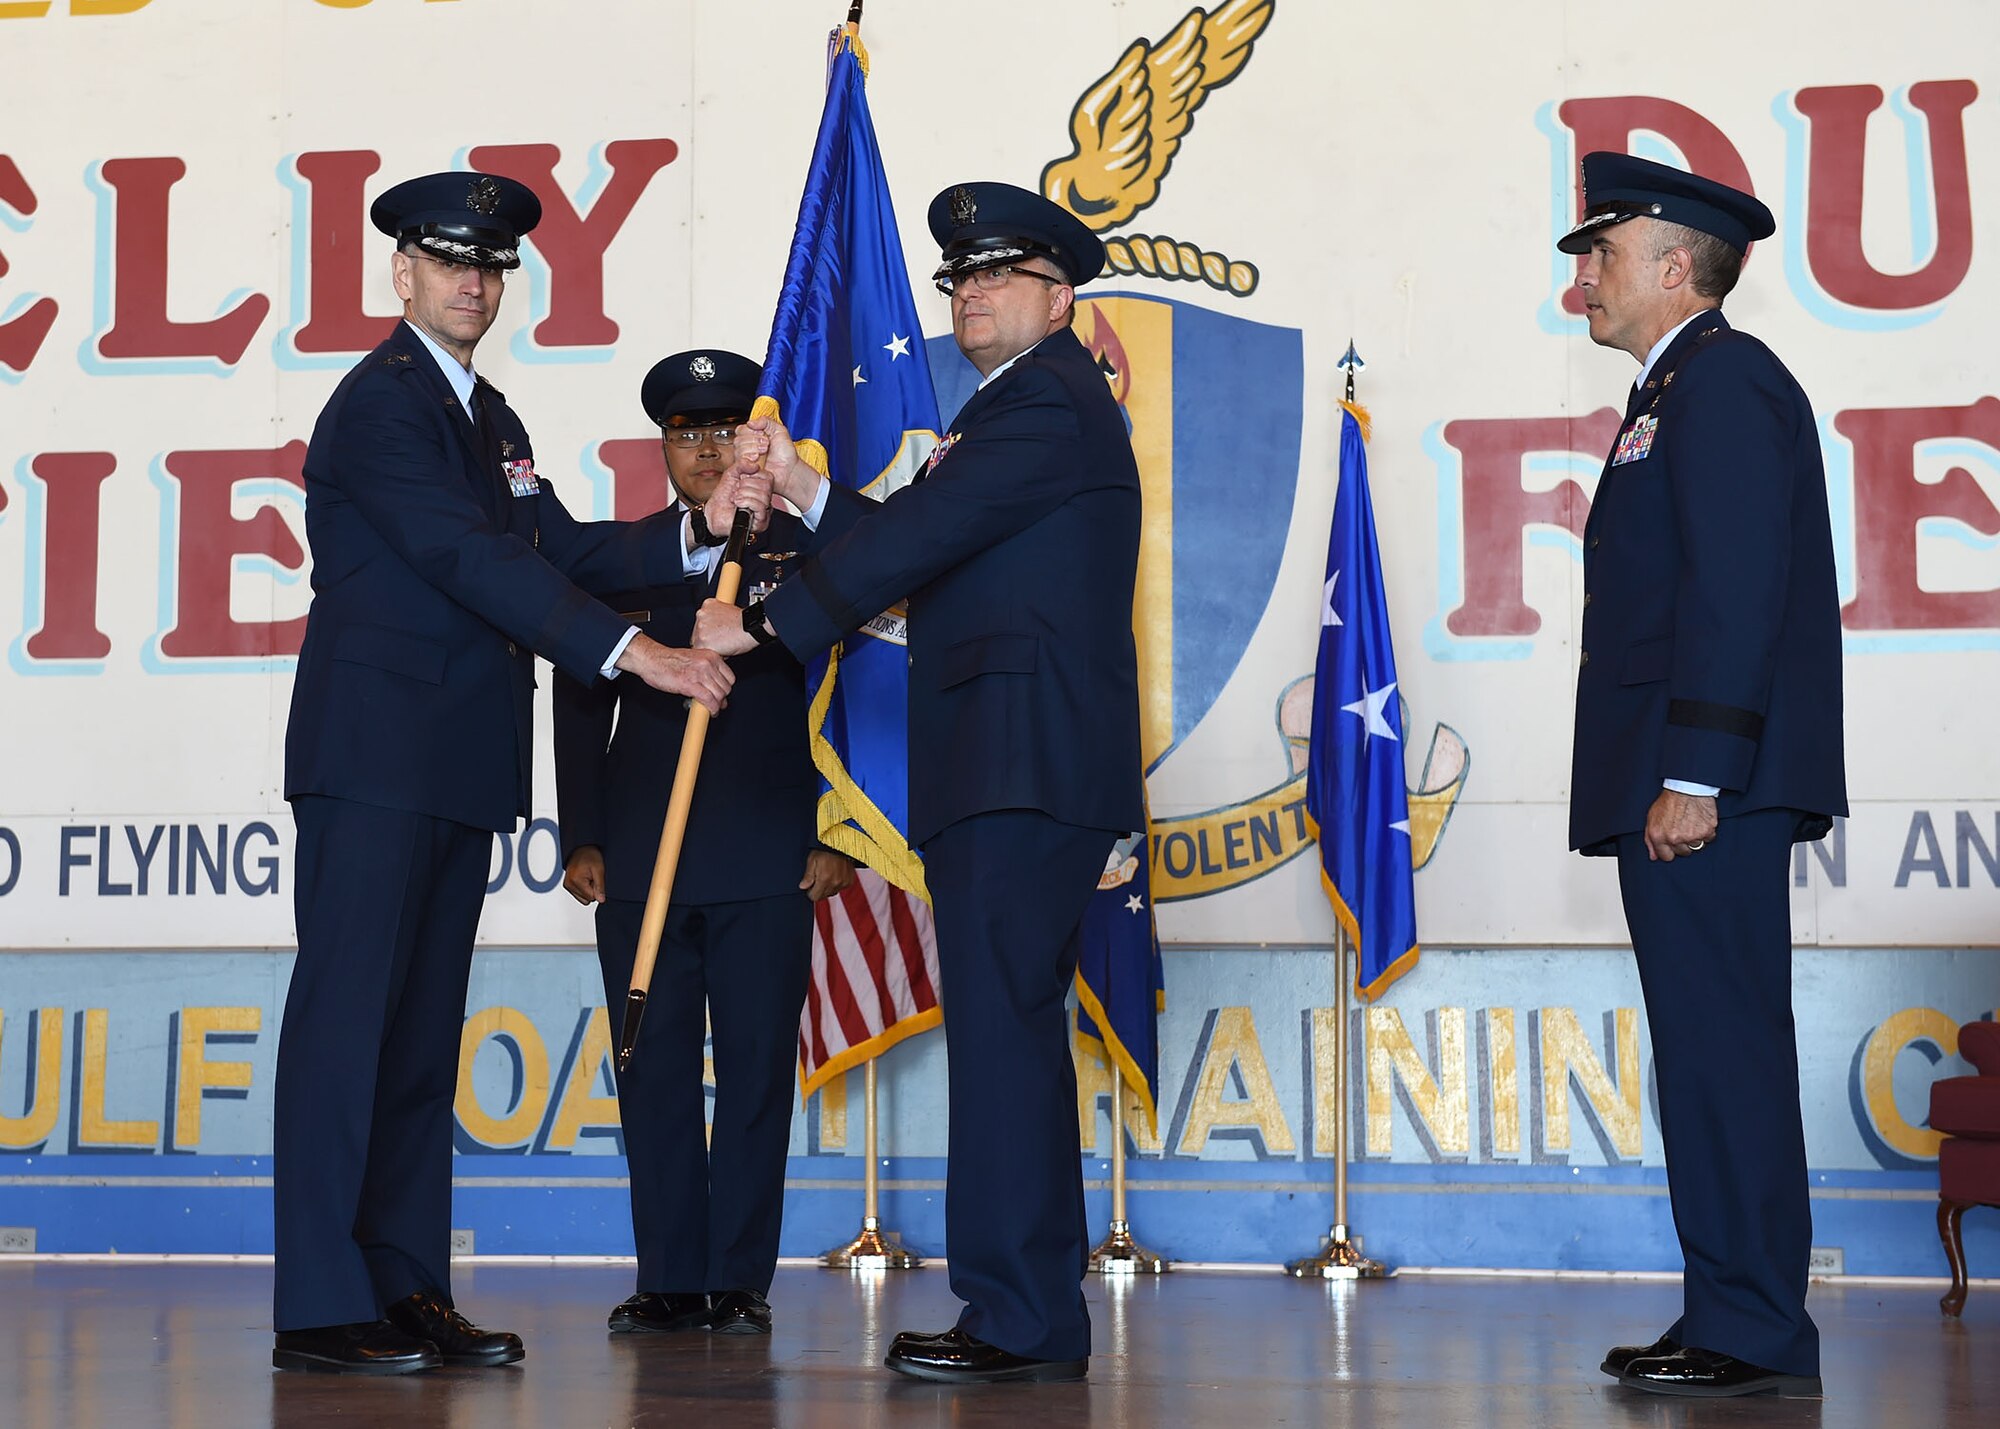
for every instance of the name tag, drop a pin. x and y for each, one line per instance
(1637, 442)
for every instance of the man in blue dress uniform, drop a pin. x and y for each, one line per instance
(1017, 551)
(1708, 742)
(738, 936)
(442, 564)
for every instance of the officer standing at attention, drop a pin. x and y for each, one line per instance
(442, 564)
(738, 935)
(1708, 742)
(1017, 551)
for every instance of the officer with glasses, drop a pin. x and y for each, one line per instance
(1018, 551)
(738, 935)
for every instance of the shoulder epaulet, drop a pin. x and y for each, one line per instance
(395, 359)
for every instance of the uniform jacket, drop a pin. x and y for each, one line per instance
(1018, 552)
(1711, 623)
(434, 586)
(753, 819)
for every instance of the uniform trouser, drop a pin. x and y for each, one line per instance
(707, 1216)
(1712, 933)
(387, 904)
(1009, 890)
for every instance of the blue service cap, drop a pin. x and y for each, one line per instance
(1618, 186)
(703, 384)
(985, 224)
(464, 217)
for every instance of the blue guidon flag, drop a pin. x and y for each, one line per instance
(1120, 984)
(846, 372)
(1356, 796)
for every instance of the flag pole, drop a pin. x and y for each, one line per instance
(1342, 1259)
(659, 895)
(874, 1248)
(1118, 1253)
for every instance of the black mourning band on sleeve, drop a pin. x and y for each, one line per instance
(1723, 719)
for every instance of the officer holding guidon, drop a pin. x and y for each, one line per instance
(442, 564)
(1018, 551)
(738, 936)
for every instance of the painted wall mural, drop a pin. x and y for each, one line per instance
(186, 270)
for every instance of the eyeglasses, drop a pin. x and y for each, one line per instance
(690, 438)
(987, 279)
(454, 272)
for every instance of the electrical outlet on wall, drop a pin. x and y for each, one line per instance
(17, 1240)
(1827, 1260)
(461, 1242)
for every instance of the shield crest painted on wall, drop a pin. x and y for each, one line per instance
(1215, 405)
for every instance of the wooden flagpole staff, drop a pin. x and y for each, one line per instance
(674, 831)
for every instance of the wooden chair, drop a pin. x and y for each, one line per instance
(1968, 1109)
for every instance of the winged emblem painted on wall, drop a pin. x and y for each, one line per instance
(1128, 127)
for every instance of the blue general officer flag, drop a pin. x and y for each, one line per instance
(1356, 797)
(1120, 985)
(846, 372)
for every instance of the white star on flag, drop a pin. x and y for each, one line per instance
(1370, 706)
(858, 378)
(1327, 614)
(1134, 904)
(1401, 826)
(896, 347)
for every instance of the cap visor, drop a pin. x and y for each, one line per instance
(1577, 240)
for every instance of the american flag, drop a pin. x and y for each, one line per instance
(846, 369)
(874, 978)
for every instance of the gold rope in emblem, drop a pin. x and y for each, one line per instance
(1171, 259)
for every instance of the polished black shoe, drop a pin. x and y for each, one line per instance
(376, 1347)
(740, 1312)
(957, 1358)
(458, 1340)
(1708, 1374)
(1619, 1356)
(921, 1337)
(653, 1313)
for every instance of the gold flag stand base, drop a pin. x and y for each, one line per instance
(1339, 1261)
(873, 1249)
(1119, 1254)
(1342, 1258)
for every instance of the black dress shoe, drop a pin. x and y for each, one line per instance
(375, 1347)
(652, 1313)
(1707, 1374)
(957, 1358)
(740, 1312)
(458, 1340)
(921, 1337)
(1619, 1356)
